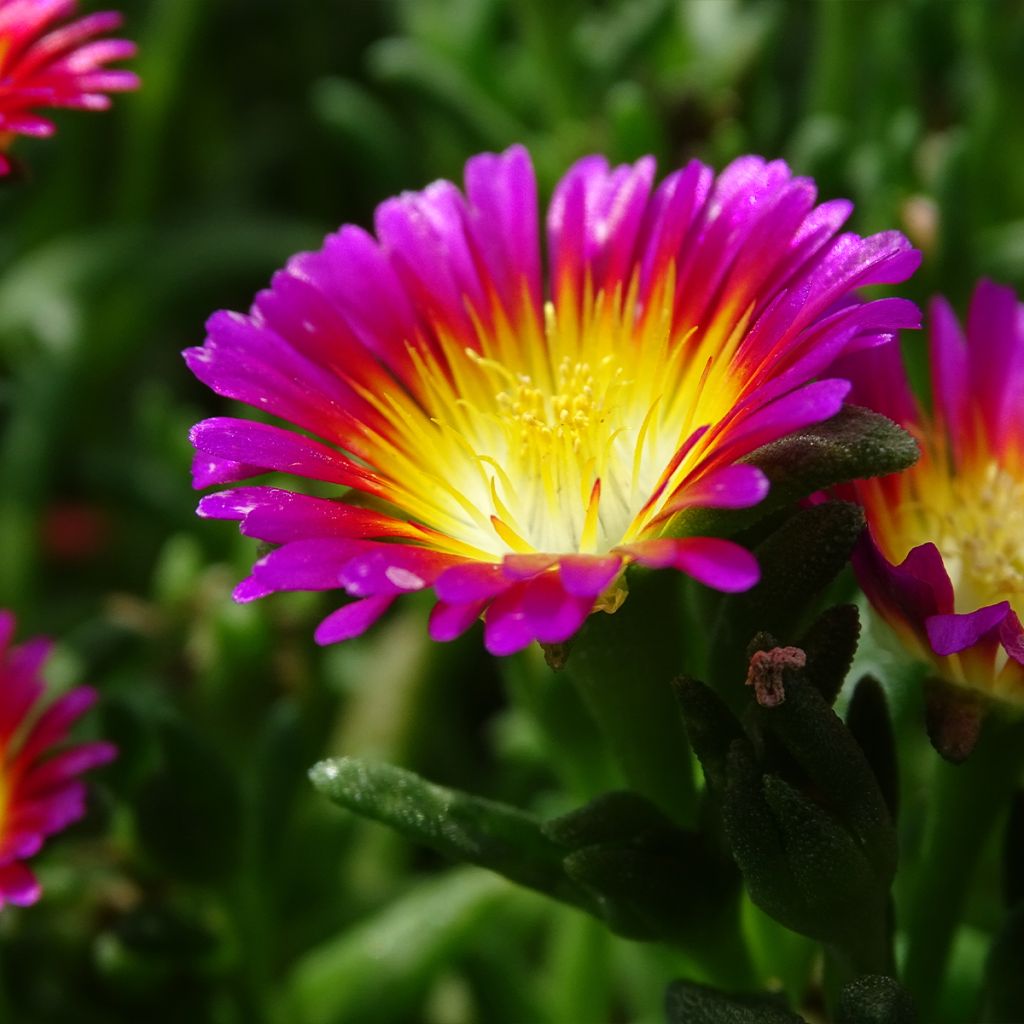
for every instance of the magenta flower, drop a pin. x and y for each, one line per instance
(944, 561)
(40, 792)
(513, 438)
(46, 66)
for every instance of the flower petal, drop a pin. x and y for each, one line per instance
(352, 620)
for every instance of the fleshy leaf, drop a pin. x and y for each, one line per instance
(868, 719)
(830, 644)
(826, 750)
(875, 999)
(689, 1003)
(466, 828)
(798, 560)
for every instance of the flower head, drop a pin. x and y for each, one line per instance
(40, 792)
(944, 559)
(46, 66)
(514, 438)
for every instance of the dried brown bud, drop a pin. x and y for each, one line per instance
(766, 670)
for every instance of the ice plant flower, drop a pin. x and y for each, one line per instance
(943, 562)
(46, 64)
(40, 789)
(512, 438)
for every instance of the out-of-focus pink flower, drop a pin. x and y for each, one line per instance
(47, 64)
(943, 561)
(514, 429)
(40, 789)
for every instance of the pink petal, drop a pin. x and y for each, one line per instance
(588, 575)
(18, 885)
(720, 564)
(950, 634)
(471, 581)
(448, 621)
(352, 620)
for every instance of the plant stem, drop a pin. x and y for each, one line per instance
(966, 802)
(623, 665)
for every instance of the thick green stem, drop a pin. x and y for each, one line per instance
(623, 665)
(965, 801)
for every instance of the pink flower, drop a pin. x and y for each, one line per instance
(512, 429)
(46, 66)
(40, 792)
(944, 559)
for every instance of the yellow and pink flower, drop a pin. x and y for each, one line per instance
(43, 64)
(511, 427)
(943, 562)
(40, 789)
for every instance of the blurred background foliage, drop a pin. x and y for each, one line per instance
(209, 883)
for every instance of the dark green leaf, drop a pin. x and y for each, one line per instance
(689, 1003)
(875, 999)
(825, 749)
(830, 644)
(868, 719)
(621, 816)
(835, 881)
(463, 827)
(710, 725)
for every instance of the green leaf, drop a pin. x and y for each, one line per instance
(755, 841)
(854, 444)
(798, 560)
(651, 894)
(876, 999)
(833, 878)
(618, 816)
(377, 970)
(868, 720)
(830, 644)
(826, 750)
(689, 1003)
(463, 827)
(710, 725)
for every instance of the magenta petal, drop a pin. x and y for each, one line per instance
(588, 575)
(1011, 636)
(244, 442)
(352, 620)
(471, 581)
(915, 589)
(950, 634)
(18, 885)
(448, 621)
(735, 486)
(208, 470)
(314, 564)
(802, 408)
(53, 724)
(506, 629)
(392, 569)
(717, 563)
(250, 589)
(553, 614)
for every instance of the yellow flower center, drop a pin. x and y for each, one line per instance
(980, 533)
(554, 437)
